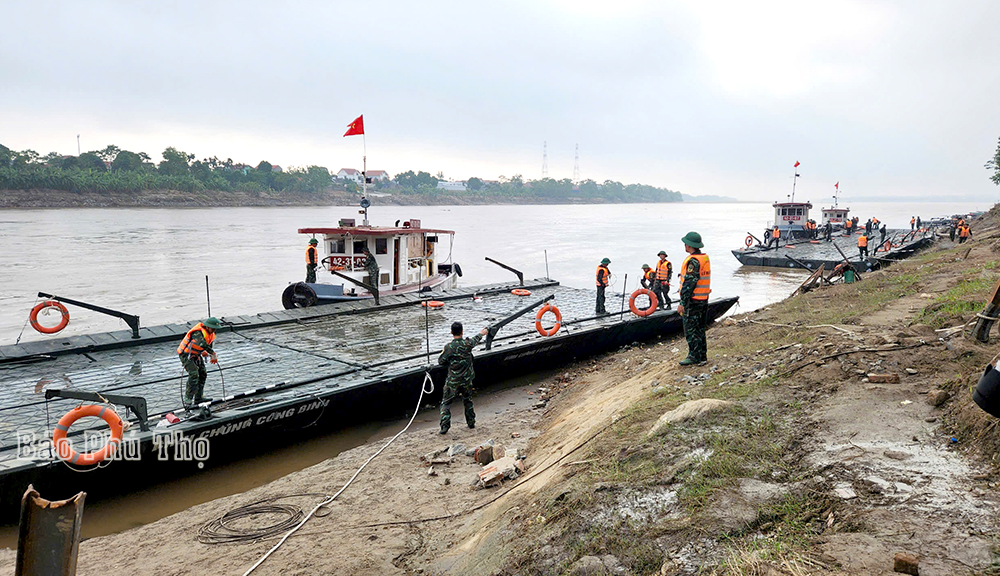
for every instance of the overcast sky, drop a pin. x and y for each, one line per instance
(888, 98)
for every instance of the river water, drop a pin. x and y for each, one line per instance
(153, 262)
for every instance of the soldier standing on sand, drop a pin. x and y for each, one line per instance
(457, 356)
(371, 266)
(693, 307)
(312, 260)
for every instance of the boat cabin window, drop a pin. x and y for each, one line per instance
(784, 211)
(798, 211)
(359, 246)
(381, 245)
(337, 246)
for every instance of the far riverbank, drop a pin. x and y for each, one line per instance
(220, 199)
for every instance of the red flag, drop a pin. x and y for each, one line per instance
(356, 127)
(837, 185)
(796, 164)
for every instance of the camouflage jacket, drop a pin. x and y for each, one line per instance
(457, 356)
(691, 276)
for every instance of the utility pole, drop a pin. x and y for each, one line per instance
(576, 166)
(77, 144)
(545, 159)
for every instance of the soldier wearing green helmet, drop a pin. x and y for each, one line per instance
(693, 307)
(194, 348)
(312, 260)
(603, 279)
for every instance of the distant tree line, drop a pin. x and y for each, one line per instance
(112, 169)
(115, 170)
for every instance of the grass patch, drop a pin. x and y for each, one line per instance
(746, 445)
(968, 297)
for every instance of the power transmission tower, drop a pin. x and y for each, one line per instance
(545, 159)
(576, 165)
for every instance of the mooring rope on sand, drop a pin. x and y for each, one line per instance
(424, 389)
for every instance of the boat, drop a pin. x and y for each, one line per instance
(282, 377)
(835, 215)
(410, 259)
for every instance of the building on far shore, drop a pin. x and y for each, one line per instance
(452, 186)
(354, 175)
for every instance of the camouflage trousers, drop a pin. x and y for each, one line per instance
(599, 308)
(662, 293)
(452, 389)
(197, 374)
(695, 321)
(310, 273)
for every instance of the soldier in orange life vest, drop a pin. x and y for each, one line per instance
(964, 232)
(661, 286)
(863, 246)
(312, 260)
(693, 308)
(913, 223)
(194, 348)
(603, 279)
(648, 277)
(775, 237)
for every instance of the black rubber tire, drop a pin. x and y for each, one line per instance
(298, 295)
(458, 270)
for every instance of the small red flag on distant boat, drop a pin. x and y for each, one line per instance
(356, 127)
(796, 164)
(837, 185)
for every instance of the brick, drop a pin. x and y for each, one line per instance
(883, 378)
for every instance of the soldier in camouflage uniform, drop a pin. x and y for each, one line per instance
(312, 261)
(457, 356)
(371, 266)
(193, 349)
(693, 308)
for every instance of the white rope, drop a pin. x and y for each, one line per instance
(423, 390)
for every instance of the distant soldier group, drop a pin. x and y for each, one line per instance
(696, 277)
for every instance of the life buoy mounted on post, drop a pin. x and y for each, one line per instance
(49, 304)
(653, 303)
(538, 320)
(65, 451)
(748, 241)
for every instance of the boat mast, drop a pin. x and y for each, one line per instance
(795, 171)
(364, 176)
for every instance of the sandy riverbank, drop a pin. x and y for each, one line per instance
(810, 467)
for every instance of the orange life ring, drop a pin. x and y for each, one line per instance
(432, 304)
(520, 292)
(814, 241)
(42, 306)
(337, 268)
(748, 241)
(653, 302)
(64, 450)
(538, 320)
(887, 246)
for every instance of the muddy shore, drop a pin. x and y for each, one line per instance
(216, 199)
(787, 455)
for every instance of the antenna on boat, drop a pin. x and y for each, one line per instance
(208, 297)
(795, 170)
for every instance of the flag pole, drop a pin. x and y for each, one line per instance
(364, 172)
(795, 176)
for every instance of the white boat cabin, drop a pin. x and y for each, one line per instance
(791, 215)
(835, 215)
(408, 256)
